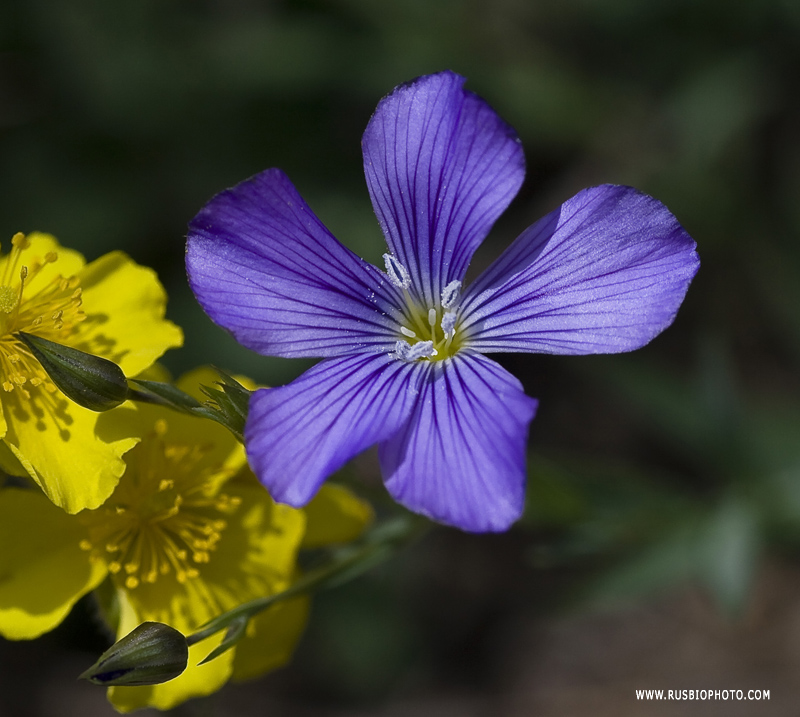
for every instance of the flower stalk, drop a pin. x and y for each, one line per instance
(349, 562)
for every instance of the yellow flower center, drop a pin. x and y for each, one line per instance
(433, 331)
(166, 515)
(426, 333)
(51, 311)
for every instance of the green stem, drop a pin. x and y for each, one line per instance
(379, 545)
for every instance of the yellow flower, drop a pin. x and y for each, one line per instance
(111, 307)
(188, 534)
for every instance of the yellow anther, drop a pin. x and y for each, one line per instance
(159, 522)
(85, 544)
(50, 257)
(20, 241)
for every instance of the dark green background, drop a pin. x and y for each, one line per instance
(674, 471)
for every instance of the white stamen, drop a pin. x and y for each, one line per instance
(450, 294)
(422, 349)
(401, 349)
(397, 273)
(449, 323)
(407, 332)
(432, 317)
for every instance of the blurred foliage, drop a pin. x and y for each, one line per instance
(678, 463)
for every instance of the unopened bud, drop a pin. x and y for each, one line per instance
(92, 382)
(148, 655)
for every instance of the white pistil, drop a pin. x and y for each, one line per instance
(396, 272)
(449, 323)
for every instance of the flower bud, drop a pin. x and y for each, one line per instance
(148, 655)
(92, 382)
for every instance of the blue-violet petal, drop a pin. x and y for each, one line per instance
(297, 435)
(441, 166)
(604, 273)
(264, 267)
(460, 458)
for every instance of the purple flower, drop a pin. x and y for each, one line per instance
(403, 349)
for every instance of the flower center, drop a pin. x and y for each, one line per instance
(51, 311)
(166, 515)
(428, 333)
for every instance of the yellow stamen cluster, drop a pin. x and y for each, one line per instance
(51, 311)
(166, 515)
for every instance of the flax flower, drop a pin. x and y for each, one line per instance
(404, 350)
(111, 307)
(187, 534)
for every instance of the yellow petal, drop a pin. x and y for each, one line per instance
(271, 639)
(196, 681)
(335, 515)
(74, 454)
(222, 447)
(255, 557)
(44, 570)
(9, 463)
(124, 305)
(260, 545)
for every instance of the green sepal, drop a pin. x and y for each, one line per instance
(230, 400)
(150, 654)
(91, 381)
(235, 632)
(227, 404)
